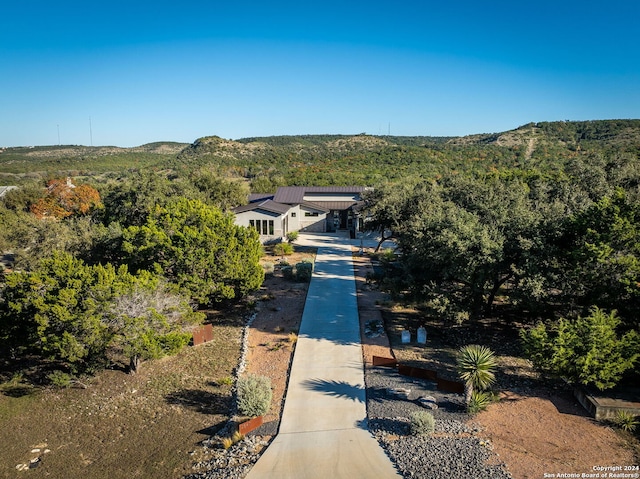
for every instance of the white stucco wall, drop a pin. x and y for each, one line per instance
(244, 219)
(316, 224)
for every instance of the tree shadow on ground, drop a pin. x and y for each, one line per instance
(337, 389)
(17, 391)
(205, 402)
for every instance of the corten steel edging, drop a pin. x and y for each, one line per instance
(248, 426)
(380, 361)
(421, 373)
(202, 334)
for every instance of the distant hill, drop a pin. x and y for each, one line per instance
(370, 159)
(268, 162)
(75, 160)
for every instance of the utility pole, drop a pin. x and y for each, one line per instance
(58, 134)
(90, 132)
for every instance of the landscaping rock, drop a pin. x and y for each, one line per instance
(402, 393)
(232, 463)
(428, 402)
(454, 451)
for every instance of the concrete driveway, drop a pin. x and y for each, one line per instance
(323, 431)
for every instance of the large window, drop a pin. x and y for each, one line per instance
(263, 227)
(311, 213)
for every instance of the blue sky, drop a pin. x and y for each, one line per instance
(131, 72)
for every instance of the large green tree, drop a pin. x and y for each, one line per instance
(219, 191)
(466, 238)
(588, 350)
(69, 312)
(601, 255)
(197, 247)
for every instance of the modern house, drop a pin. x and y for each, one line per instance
(317, 209)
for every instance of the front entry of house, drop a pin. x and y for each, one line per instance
(337, 220)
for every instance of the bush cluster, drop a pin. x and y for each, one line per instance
(302, 271)
(422, 423)
(254, 395)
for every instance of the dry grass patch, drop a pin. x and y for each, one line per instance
(123, 426)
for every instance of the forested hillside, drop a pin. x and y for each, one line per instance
(19, 165)
(361, 159)
(544, 148)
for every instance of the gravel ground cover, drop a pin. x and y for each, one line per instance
(453, 451)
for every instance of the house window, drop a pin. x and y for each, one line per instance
(293, 214)
(251, 224)
(257, 225)
(311, 213)
(271, 232)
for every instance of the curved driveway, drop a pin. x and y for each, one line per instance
(323, 431)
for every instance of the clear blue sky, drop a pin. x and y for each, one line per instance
(140, 71)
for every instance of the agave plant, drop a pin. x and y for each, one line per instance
(476, 366)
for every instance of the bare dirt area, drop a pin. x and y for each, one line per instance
(274, 331)
(538, 435)
(537, 427)
(144, 425)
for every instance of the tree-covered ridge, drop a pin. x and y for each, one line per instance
(536, 148)
(269, 162)
(74, 160)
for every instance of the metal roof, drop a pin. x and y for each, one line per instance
(253, 197)
(295, 194)
(330, 205)
(267, 205)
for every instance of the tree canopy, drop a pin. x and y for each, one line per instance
(69, 312)
(197, 247)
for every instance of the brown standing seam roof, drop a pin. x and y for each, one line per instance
(267, 205)
(253, 197)
(295, 194)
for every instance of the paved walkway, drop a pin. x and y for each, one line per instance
(323, 432)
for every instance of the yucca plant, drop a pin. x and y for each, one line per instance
(479, 401)
(476, 366)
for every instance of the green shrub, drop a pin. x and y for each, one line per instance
(225, 381)
(626, 421)
(254, 395)
(287, 272)
(304, 271)
(268, 268)
(60, 379)
(422, 423)
(292, 236)
(172, 343)
(587, 350)
(387, 255)
(283, 249)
